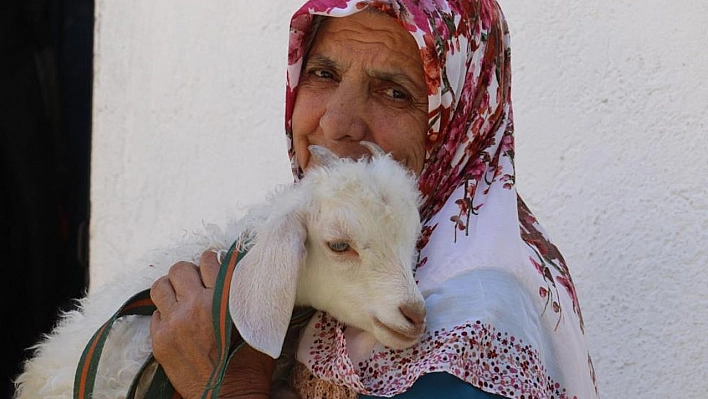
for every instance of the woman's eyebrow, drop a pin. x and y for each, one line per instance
(322, 61)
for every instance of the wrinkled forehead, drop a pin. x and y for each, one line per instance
(305, 27)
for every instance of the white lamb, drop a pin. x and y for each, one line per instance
(341, 240)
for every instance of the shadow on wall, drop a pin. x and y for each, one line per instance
(45, 133)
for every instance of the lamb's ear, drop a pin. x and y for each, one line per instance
(322, 155)
(263, 285)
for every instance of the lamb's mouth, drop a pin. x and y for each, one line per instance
(397, 334)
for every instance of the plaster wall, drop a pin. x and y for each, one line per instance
(611, 112)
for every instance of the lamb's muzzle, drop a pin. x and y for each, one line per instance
(414, 313)
(406, 330)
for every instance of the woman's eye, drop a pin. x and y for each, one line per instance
(338, 246)
(397, 94)
(321, 73)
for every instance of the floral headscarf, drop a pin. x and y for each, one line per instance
(503, 312)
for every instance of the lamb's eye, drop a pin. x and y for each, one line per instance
(338, 246)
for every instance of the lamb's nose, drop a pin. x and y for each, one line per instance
(414, 313)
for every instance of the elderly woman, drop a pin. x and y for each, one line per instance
(429, 81)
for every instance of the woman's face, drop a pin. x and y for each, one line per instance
(363, 80)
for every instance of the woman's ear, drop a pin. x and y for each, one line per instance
(264, 283)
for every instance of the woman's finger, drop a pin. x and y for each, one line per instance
(162, 294)
(209, 265)
(185, 279)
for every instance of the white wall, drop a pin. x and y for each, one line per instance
(611, 108)
(188, 120)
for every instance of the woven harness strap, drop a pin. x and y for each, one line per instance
(141, 305)
(85, 378)
(222, 323)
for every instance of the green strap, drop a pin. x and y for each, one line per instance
(141, 304)
(160, 386)
(222, 323)
(85, 377)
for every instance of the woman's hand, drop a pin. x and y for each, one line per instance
(183, 340)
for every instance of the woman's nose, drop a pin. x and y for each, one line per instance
(344, 117)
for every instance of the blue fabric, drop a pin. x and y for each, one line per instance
(442, 386)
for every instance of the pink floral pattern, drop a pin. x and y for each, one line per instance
(468, 180)
(477, 353)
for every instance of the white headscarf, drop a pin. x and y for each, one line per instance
(503, 312)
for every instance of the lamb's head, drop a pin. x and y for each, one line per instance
(361, 247)
(344, 241)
